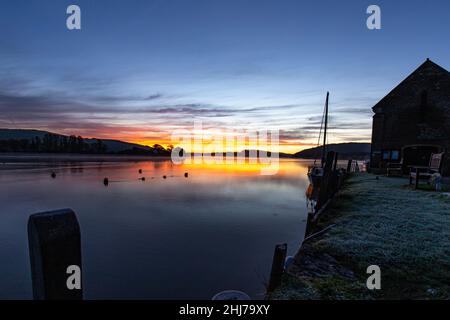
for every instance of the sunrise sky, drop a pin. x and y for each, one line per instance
(138, 70)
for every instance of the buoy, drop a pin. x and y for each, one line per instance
(231, 295)
(53, 175)
(106, 181)
(140, 170)
(164, 177)
(186, 174)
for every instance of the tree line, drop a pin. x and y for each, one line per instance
(53, 143)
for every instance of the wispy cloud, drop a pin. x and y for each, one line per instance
(153, 116)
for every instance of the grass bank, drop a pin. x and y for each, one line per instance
(380, 222)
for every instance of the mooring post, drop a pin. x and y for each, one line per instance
(336, 155)
(417, 178)
(55, 255)
(349, 165)
(334, 184)
(277, 271)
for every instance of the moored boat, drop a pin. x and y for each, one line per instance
(316, 172)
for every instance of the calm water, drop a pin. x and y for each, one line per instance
(160, 238)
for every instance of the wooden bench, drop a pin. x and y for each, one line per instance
(394, 169)
(421, 172)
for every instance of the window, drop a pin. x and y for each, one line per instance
(395, 155)
(386, 155)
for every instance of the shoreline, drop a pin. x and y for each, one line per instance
(73, 157)
(7, 158)
(380, 222)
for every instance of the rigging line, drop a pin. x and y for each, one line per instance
(320, 134)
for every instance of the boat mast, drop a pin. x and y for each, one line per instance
(324, 151)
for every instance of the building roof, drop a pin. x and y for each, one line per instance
(428, 74)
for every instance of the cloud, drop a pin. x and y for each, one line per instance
(355, 110)
(126, 99)
(51, 105)
(155, 116)
(297, 134)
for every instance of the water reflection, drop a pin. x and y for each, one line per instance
(159, 238)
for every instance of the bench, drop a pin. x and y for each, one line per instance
(394, 169)
(422, 172)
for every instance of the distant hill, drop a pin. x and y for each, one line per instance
(19, 134)
(267, 153)
(350, 150)
(119, 146)
(24, 140)
(28, 140)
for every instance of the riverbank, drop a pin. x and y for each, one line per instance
(13, 161)
(12, 157)
(380, 222)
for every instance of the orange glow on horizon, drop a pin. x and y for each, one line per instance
(163, 139)
(150, 137)
(283, 148)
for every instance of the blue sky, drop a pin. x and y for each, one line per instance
(139, 69)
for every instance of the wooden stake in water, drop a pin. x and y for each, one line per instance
(349, 166)
(336, 156)
(55, 255)
(277, 271)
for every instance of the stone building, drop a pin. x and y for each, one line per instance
(413, 120)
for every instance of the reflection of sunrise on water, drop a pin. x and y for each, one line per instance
(286, 168)
(232, 207)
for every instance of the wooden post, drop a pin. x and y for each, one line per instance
(334, 176)
(279, 257)
(349, 166)
(335, 161)
(55, 253)
(330, 160)
(417, 178)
